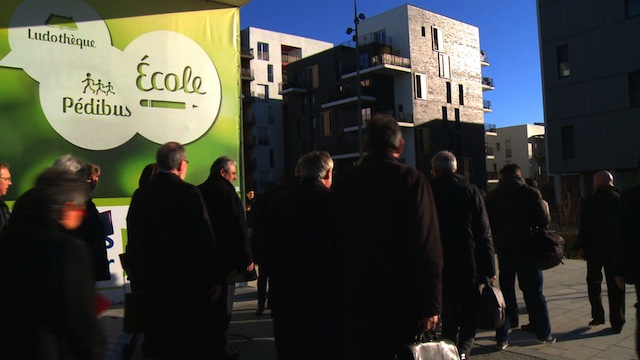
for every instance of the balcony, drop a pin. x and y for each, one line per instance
(370, 38)
(285, 88)
(249, 96)
(289, 58)
(247, 74)
(346, 97)
(484, 58)
(383, 63)
(493, 177)
(487, 83)
(246, 53)
(486, 106)
(489, 152)
(490, 129)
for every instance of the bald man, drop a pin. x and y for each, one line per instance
(599, 229)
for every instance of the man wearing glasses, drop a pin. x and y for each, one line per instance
(5, 182)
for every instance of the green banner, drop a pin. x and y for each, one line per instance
(111, 81)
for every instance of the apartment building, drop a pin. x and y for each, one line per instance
(265, 58)
(423, 68)
(523, 145)
(591, 86)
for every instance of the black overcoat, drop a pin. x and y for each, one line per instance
(386, 241)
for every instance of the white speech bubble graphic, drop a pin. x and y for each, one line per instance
(163, 85)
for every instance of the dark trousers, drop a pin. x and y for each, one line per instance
(531, 282)
(459, 307)
(614, 293)
(263, 282)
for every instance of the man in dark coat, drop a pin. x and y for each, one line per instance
(384, 232)
(301, 276)
(229, 224)
(47, 302)
(5, 182)
(467, 247)
(599, 231)
(92, 229)
(514, 210)
(627, 251)
(174, 260)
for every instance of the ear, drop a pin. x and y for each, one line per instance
(327, 174)
(400, 148)
(222, 172)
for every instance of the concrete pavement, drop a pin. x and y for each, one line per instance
(565, 289)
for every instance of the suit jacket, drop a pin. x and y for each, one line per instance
(47, 302)
(173, 258)
(4, 215)
(600, 224)
(467, 244)
(386, 240)
(227, 215)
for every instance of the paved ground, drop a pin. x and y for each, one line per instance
(566, 293)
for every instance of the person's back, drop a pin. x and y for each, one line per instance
(174, 261)
(600, 223)
(386, 240)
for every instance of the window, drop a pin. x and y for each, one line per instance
(327, 126)
(263, 51)
(444, 66)
(448, 92)
(272, 117)
(461, 94)
(438, 43)
(457, 117)
(263, 135)
(366, 114)
(497, 146)
(380, 37)
(313, 77)
(562, 54)
(272, 158)
(365, 60)
(634, 89)
(633, 8)
(507, 148)
(421, 86)
(424, 31)
(568, 145)
(270, 73)
(263, 91)
(445, 116)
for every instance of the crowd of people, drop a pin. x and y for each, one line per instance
(417, 248)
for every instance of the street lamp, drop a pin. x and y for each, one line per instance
(356, 20)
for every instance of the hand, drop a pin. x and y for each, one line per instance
(430, 323)
(216, 291)
(619, 281)
(250, 267)
(582, 254)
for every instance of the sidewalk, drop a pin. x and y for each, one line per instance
(565, 289)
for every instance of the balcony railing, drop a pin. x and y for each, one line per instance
(288, 58)
(486, 104)
(487, 81)
(490, 128)
(371, 38)
(246, 52)
(489, 151)
(493, 175)
(389, 59)
(484, 58)
(246, 73)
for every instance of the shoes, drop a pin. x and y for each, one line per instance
(596, 322)
(501, 345)
(260, 310)
(616, 329)
(550, 339)
(528, 327)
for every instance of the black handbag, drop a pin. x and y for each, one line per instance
(544, 249)
(423, 349)
(492, 309)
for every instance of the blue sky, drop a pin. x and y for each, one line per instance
(508, 34)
